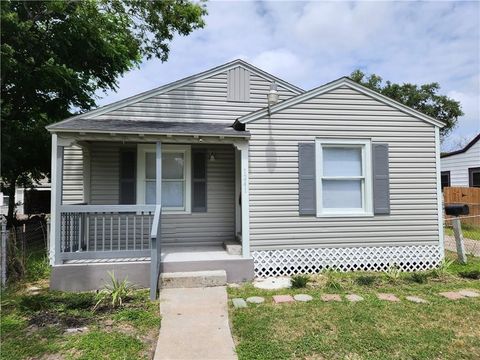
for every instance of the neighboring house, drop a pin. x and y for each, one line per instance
(336, 177)
(462, 167)
(34, 200)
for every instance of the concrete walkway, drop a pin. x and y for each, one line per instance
(194, 325)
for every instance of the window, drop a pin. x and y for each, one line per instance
(344, 182)
(474, 177)
(445, 179)
(175, 177)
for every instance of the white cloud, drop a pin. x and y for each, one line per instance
(310, 43)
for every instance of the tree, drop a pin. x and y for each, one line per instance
(56, 54)
(424, 98)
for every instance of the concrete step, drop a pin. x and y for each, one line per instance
(193, 279)
(233, 247)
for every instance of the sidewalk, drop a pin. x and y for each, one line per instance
(194, 325)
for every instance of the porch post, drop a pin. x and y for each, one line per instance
(158, 164)
(56, 200)
(243, 147)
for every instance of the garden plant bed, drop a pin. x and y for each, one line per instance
(368, 329)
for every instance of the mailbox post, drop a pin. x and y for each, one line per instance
(457, 210)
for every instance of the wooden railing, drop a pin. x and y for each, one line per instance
(105, 231)
(155, 257)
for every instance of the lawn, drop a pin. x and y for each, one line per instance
(371, 329)
(34, 322)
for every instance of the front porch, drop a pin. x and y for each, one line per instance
(122, 224)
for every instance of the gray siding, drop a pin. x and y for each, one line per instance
(203, 100)
(209, 228)
(72, 190)
(274, 217)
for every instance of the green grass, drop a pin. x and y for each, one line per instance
(469, 232)
(371, 329)
(33, 325)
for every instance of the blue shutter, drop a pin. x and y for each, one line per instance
(306, 179)
(381, 182)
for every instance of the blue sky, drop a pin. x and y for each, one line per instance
(311, 43)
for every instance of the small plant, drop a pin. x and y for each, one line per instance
(115, 293)
(300, 281)
(393, 273)
(419, 277)
(471, 274)
(332, 281)
(444, 268)
(366, 280)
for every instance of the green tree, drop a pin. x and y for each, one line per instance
(424, 98)
(56, 54)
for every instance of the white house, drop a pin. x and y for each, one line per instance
(462, 167)
(171, 179)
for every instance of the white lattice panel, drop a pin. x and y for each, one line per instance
(301, 261)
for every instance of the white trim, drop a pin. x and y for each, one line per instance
(367, 190)
(441, 237)
(244, 166)
(182, 82)
(332, 86)
(56, 200)
(142, 149)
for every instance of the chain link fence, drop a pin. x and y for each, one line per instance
(469, 230)
(24, 249)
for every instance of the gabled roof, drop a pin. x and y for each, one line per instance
(343, 81)
(179, 83)
(461, 151)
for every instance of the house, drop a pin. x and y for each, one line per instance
(236, 169)
(462, 167)
(32, 200)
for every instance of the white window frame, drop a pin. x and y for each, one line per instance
(142, 150)
(367, 191)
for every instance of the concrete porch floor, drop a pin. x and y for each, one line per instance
(92, 274)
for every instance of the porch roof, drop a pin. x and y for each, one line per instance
(148, 127)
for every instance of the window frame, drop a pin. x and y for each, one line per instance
(445, 173)
(142, 150)
(367, 177)
(470, 175)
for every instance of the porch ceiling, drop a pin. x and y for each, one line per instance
(149, 128)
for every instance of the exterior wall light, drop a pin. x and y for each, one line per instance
(272, 96)
(212, 156)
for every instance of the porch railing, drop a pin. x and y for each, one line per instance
(105, 231)
(155, 257)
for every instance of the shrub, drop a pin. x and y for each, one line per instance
(471, 274)
(419, 277)
(366, 280)
(300, 281)
(332, 281)
(444, 268)
(115, 293)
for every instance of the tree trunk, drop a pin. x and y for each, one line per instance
(11, 218)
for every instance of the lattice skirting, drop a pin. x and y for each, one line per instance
(287, 262)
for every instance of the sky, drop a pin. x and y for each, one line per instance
(311, 43)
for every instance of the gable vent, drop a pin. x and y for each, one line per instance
(238, 84)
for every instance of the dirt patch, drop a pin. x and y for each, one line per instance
(47, 318)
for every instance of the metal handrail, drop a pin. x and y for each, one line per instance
(155, 248)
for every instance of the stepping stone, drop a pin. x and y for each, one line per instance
(278, 299)
(416, 299)
(469, 293)
(272, 283)
(388, 297)
(354, 298)
(255, 299)
(452, 295)
(331, 297)
(303, 297)
(239, 303)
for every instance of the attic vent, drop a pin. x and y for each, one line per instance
(238, 84)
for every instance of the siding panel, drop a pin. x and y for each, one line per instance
(459, 164)
(72, 190)
(343, 113)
